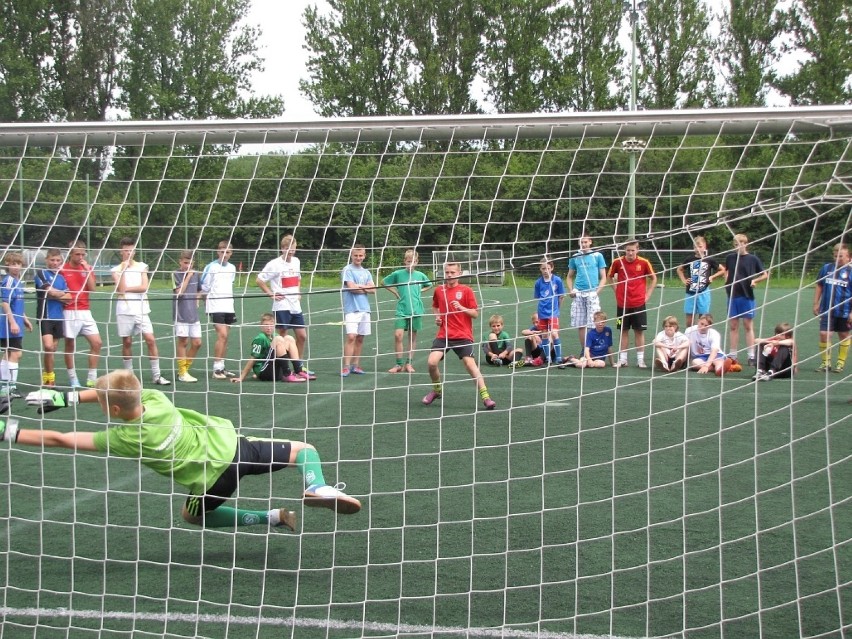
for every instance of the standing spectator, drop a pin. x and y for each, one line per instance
(80, 279)
(549, 291)
(186, 285)
(634, 280)
(407, 284)
(217, 285)
(12, 324)
(455, 308)
(132, 311)
(696, 273)
(357, 285)
(585, 280)
(51, 297)
(744, 271)
(833, 303)
(281, 280)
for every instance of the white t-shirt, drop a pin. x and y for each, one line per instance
(284, 278)
(132, 303)
(217, 281)
(671, 344)
(703, 344)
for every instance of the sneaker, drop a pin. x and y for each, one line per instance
(331, 497)
(90, 383)
(490, 404)
(223, 374)
(620, 365)
(751, 362)
(75, 383)
(766, 376)
(825, 367)
(736, 368)
(187, 378)
(344, 372)
(13, 393)
(838, 367)
(286, 519)
(357, 370)
(641, 364)
(758, 375)
(307, 375)
(294, 379)
(519, 364)
(538, 361)
(161, 381)
(431, 396)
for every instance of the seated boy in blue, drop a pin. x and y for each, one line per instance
(598, 344)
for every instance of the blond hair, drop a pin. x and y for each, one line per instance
(119, 388)
(13, 258)
(495, 318)
(671, 320)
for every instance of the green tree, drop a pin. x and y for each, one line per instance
(746, 49)
(822, 30)
(25, 44)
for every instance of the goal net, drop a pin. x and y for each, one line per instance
(614, 501)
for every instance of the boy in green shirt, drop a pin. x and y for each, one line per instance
(407, 284)
(200, 452)
(271, 356)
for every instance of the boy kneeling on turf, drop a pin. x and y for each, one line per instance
(203, 453)
(271, 356)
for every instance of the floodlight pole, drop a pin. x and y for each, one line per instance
(632, 8)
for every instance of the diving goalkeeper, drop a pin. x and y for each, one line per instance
(202, 453)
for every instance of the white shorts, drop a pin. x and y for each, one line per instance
(79, 323)
(357, 323)
(583, 309)
(129, 325)
(182, 329)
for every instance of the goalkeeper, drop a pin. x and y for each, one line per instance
(202, 453)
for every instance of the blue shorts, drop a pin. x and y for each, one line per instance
(697, 304)
(286, 319)
(831, 324)
(706, 356)
(741, 307)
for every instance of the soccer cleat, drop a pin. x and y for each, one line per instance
(490, 404)
(294, 379)
(187, 378)
(90, 383)
(758, 375)
(331, 497)
(825, 367)
(307, 375)
(344, 372)
(13, 393)
(641, 364)
(286, 519)
(161, 381)
(431, 396)
(357, 370)
(519, 364)
(838, 368)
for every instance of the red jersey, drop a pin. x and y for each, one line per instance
(630, 285)
(75, 277)
(456, 324)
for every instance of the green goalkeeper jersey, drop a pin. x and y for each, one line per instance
(260, 347)
(192, 448)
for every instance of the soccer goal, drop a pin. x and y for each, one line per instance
(590, 502)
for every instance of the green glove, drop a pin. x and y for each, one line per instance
(49, 400)
(8, 430)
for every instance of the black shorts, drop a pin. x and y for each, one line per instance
(253, 457)
(461, 347)
(635, 318)
(55, 328)
(275, 370)
(223, 318)
(11, 343)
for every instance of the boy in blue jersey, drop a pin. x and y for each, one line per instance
(833, 306)
(549, 291)
(598, 344)
(51, 296)
(357, 285)
(12, 324)
(585, 280)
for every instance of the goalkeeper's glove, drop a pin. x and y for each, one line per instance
(8, 430)
(50, 400)
(5, 402)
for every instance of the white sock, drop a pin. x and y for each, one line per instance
(4, 370)
(93, 374)
(274, 517)
(128, 363)
(72, 376)
(218, 364)
(13, 372)
(155, 368)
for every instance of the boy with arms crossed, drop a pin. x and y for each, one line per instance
(217, 285)
(202, 453)
(744, 272)
(454, 306)
(80, 280)
(132, 311)
(186, 286)
(12, 324)
(51, 297)
(407, 284)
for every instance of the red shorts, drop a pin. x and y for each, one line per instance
(550, 324)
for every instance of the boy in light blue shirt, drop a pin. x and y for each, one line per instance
(357, 285)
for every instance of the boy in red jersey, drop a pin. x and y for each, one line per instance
(634, 280)
(80, 280)
(455, 308)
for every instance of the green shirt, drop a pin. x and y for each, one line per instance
(192, 448)
(408, 284)
(260, 346)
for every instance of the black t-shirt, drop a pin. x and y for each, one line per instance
(741, 270)
(698, 272)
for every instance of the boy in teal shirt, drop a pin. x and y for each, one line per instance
(200, 452)
(407, 284)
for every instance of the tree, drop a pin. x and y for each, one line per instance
(821, 29)
(674, 50)
(25, 44)
(746, 49)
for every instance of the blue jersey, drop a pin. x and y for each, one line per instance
(47, 308)
(599, 342)
(587, 267)
(836, 298)
(548, 294)
(355, 302)
(12, 293)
